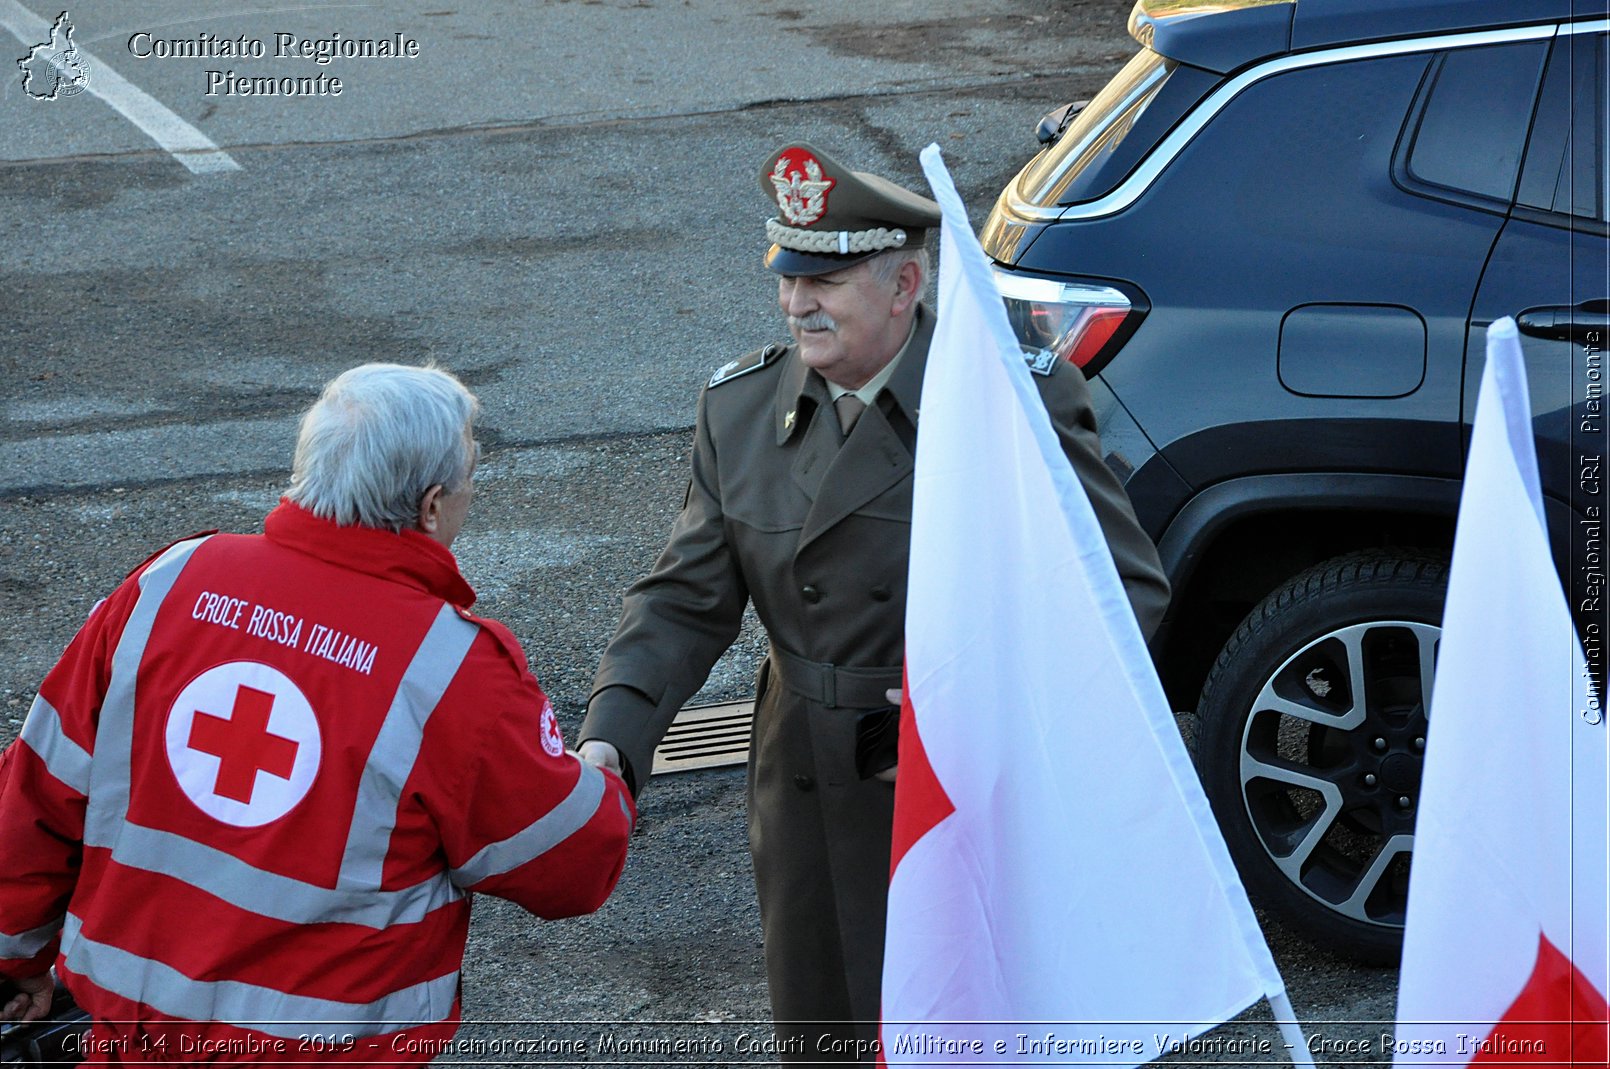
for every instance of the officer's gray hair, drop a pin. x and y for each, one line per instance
(378, 437)
(886, 265)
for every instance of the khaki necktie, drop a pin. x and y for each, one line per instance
(849, 407)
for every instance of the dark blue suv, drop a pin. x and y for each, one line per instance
(1274, 242)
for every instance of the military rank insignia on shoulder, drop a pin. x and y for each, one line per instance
(1041, 361)
(745, 364)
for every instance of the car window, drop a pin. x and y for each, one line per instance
(1114, 132)
(1600, 118)
(1565, 171)
(1597, 118)
(1474, 113)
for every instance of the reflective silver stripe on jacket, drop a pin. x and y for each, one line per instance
(63, 758)
(391, 761)
(270, 894)
(540, 836)
(109, 775)
(27, 944)
(262, 1009)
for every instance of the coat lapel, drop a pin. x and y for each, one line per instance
(803, 411)
(873, 459)
(905, 386)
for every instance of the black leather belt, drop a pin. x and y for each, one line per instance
(832, 685)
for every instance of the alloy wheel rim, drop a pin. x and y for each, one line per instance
(1330, 761)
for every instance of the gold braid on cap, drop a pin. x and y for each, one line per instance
(842, 242)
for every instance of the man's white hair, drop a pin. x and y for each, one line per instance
(886, 265)
(377, 438)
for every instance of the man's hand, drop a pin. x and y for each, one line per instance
(32, 1001)
(603, 754)
(896, 696)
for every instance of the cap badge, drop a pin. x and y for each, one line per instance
(801, 189)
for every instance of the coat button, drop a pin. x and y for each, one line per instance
(881, 593)
(810, 594)
(804, 783)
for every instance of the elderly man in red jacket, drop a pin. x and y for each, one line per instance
(250, 803)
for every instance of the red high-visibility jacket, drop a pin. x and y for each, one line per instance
(250, 801)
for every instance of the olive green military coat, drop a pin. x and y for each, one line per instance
(815, 528)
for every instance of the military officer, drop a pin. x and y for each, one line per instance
(800, 499)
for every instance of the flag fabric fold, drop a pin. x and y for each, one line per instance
(1506, 950)
(1060, 892)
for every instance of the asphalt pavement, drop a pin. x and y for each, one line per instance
(561, 202)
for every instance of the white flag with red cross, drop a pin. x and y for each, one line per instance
(1059, 892)
(1506, 951)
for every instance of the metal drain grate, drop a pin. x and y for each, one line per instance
(706, 736)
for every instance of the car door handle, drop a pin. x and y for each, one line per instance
(1564, 323)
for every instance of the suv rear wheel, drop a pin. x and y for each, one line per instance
(1312, 728)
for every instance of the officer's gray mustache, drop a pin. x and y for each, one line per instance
(814, 321)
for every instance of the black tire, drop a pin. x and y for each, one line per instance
(1314, 785)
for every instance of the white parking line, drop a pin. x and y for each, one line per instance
(186, 144)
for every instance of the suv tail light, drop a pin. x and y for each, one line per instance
(1081, 322)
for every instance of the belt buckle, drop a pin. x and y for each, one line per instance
(830, 690)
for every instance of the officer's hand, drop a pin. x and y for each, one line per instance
(896, 696)
(603, 754)
(33, 999)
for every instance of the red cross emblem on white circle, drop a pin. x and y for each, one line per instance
(243, 743)
(552, 741)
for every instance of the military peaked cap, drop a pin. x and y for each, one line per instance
(830, 217)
